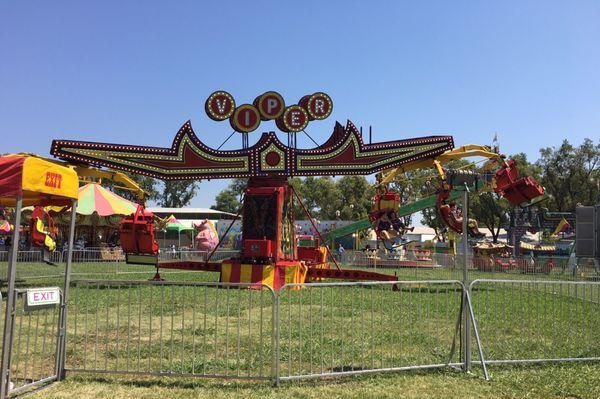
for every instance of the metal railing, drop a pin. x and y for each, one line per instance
(248, 331)
(171, 328)
(335, 329)
(446, 266)
(35, 337)
(98, 262)
(111, 255)
(562, 317)
(302, 331)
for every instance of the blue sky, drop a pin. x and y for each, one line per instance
(134, 72)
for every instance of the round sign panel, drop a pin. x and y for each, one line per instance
(219, 106)
(272, 158)
(319, 106)
(280, 125)
(270, 105)
(294, 118)
(245, 118)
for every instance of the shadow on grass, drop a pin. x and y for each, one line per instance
(233, 384)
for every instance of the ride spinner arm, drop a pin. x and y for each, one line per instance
(465, 151)
(124, 182)
(403, 210)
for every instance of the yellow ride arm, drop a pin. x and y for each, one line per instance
(465, 151)
(124, 181)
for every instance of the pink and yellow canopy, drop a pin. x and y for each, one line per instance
(95, 198)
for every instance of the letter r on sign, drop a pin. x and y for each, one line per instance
(319, 104)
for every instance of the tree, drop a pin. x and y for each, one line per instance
(356, 194)
(321, 197)
(412, 186)
(178, 193)
(230, 199)
(298, 185)
(431, 218)
(491, 211)
(227, 201)
(570, 175)
(237, 187)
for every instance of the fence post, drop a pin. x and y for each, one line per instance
(466, 316)
(62, 323)
(10, 302)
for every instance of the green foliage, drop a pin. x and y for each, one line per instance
(489, 210)
(356, 194)
(230, 199)
(227, 201)
(178, 193)
(571, 175)
(321, 197)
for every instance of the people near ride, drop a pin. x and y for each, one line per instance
(79, 243)
(113, 239)
(389, 225)
(384, 226)
(341, 251)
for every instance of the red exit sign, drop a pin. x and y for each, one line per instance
(53, 180)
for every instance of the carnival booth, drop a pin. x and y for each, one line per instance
(489, 256)
(30, 180)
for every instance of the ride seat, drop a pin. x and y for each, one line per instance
(137, 233)
(517, 191)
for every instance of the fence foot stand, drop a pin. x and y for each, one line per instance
(157, 277)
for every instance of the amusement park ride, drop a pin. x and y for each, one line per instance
(270, 253)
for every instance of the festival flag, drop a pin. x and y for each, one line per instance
(563, 225)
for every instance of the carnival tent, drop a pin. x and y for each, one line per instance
(36, 180)
(30, 180)
(97, 208)
(175, 225)
(93, 198)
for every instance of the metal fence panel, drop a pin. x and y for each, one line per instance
(171, 328)
(331, 329)
(564, 316)
(35, 339)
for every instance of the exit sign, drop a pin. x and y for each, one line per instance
(42, 297)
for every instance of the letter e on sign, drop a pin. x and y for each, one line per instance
(295, 118)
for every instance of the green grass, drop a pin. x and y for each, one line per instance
(544, 382)
(199, 330)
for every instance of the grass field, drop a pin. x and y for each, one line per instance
(547, 382)
(199, 330)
